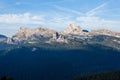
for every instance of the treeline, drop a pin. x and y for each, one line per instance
(6, 78)
(101, 76)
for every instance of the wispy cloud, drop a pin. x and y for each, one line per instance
(96, 9)
(89, 13)
(18, 3)
(92, 22)
(53, 2)
(68, 10)
(41, 3)
(89, 19)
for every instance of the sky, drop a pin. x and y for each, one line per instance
(57, 14)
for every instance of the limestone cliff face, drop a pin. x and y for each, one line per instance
(41, 34)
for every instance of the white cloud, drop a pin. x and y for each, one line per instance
(93, 23)
(25, 18)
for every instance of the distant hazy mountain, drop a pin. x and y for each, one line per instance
(74, 37)
(3, 36)
(4, 42)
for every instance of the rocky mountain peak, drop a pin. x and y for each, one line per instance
(73, 29)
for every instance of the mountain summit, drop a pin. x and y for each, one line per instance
(73, 29)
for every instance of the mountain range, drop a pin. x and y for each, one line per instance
(74, 37)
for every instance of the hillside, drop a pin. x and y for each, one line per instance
(35, 63)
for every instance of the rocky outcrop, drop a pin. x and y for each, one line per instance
(9, 41)
(62, 39)
(57, 37)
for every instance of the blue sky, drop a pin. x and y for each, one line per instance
(57, 14)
